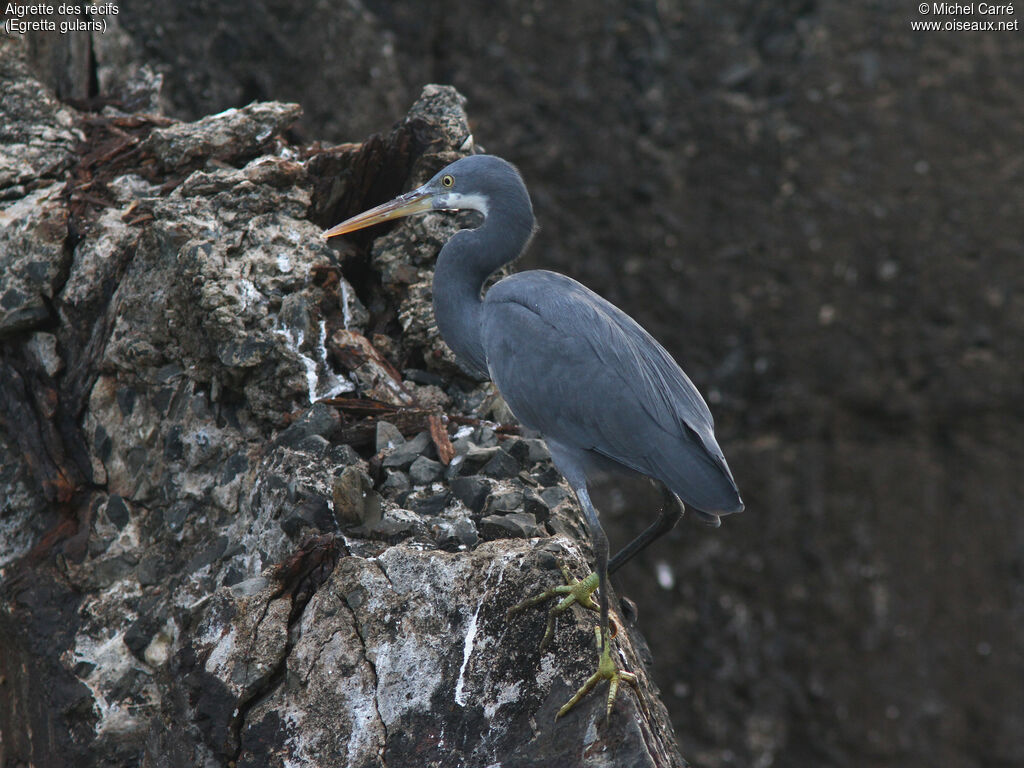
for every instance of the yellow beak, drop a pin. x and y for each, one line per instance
(417, 201)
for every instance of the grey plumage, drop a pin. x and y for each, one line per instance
(602, 384)
(598, 387)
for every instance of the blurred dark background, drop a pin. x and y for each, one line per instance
(819, 211)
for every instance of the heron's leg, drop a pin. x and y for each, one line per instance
(599, 541)
(578, 591)
(671, 511)
(582, 592)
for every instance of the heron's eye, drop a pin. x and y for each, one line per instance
(448, 180)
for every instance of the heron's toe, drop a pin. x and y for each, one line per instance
(606, 670)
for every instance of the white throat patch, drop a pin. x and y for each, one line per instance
(456, 201)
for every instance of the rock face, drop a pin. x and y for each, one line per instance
(815, 208)
(251, 514)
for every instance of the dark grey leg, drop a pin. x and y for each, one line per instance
(600, 543)
(671, 511)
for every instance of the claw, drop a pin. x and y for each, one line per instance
(606, 670)
(574, 591)
(581, 591)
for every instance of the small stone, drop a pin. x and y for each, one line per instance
(549, 477)
(485, 437)
(107, 571)
(159, 649)
(152, 570)
(314, 512)
(396, 482)
(501, 465)
(140, 633)
(422, 443)
(388, 437)
(400, 459)
(176, 514)
(429, 395)
(459, 531)
(538, 450)
(397, 523)
(480, 454)
(517, 448)
(424, 471)
(117, 511)
(43, 347)
(343, 454)
(520, 525)
(320, 420)
(405, 454)
(355, 501)
(534, 503)
(554, 496)
(503, 503)
(313, 444)
(454, 468)
(431, 505)
(471, 490)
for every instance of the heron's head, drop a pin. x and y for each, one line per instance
(477, 182)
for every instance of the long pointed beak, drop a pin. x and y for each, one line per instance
(417, 201)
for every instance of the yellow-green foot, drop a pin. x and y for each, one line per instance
(606, 670)
(573, 591)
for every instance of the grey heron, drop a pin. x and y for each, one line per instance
(572, 366)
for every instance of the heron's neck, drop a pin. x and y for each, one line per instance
(468, 259)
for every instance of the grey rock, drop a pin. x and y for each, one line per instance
(479, 454)
(429, 505)
(455, 467)
(355, 501)
(343, 454)
(313, 513)
(397, 524)
(43, 347)
(320, 421)
(554, 496)
(537, 449)
(503, 503)
(210, 613)
(388, 436)
(405, 454)
(459, 531)
(395, 483)
(424, 471)
(38, 134)
(422, 443)
(535, 504)
(501, 465)
(520, 525)
(33, 259)
(229, 135)
(471, 490)
(153, 569)
(116, 511)
(313, 444)
(485, 437)
(401, 458)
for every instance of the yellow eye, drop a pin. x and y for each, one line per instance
(448, 180)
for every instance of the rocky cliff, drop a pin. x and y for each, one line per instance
(253, 513)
